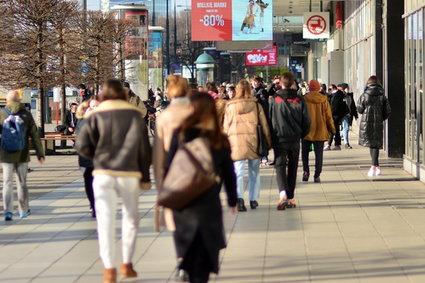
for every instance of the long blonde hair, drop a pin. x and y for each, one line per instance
(243, 90)
(177, 86)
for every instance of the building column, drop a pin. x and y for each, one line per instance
(393, 45)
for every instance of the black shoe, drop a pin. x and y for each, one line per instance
(253, 204)
(348, 146)
(317, 179)
(281, 206)
(305, 177)
(8, 216)
(241, 204)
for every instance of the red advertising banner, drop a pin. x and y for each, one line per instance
(211, 20)
(136, 42)
(261, 57)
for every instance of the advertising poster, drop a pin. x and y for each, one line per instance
(155, 49)
(316, 25)
(252, 20)
(262, 57)
(232, 20)
(135, 44)
(211, 20)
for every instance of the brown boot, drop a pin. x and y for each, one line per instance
(127, 271)
(110, 275)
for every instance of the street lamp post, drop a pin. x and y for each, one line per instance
(167, 38)
(175, 31)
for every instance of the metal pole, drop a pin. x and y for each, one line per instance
(85, 5)
(321, 5)
(310, 7)
(167, 37)
(153, 13)
(175, 31)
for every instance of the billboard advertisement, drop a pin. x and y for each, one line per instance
(262, 57)
(232, 20)
(135, 44)
(155, 49)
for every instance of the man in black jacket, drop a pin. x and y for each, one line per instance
(290, 123)
(339, 111)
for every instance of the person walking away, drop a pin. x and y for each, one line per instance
(242, 116)
(339, 111)
(84, 163)
(262, 96)
(199, 234)
(290, 123)
(321, 125)
(375, 109)
(212, 90)
(134, 99)
(166, 123)
(347, 120)
(17, 126)
(121, 167)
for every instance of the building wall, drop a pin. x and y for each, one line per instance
(414, 82)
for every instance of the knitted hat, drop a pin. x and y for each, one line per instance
(314, 85)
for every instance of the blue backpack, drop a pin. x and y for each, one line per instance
(13, 133)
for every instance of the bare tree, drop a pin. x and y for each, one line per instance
(96, 30)
(67, 51)
(27, 61)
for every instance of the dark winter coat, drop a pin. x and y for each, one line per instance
(262, 96)
(116, 139)
(31, 131)
(204, 214)
(338, 106)
(349, 100)
(375, 109)
(289, 117)
(70, 121)
(82, 162)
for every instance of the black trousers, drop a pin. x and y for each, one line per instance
(374, 154)
(287, 156)
(197, 261)
(318, 152)
(337, 136)
(88, 185)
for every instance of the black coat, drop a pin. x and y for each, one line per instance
(338, 106)
(374, 106)
(204, 215)
(349, 100)
(82, 162)
(262, 96)
(289, 117)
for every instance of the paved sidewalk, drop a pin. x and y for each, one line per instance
(350, 228)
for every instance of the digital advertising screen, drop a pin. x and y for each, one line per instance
(135, 44)
(252, 20)
(232, 20)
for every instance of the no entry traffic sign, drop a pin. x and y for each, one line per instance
(316, 25)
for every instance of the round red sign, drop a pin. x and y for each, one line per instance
(316, 25)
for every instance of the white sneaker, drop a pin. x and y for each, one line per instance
(378, 171)
(372, 172)
(326, 148)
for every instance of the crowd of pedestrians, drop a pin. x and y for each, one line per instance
(218, 130)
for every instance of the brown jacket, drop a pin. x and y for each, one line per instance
(221, 106)
(322, 123)
(166, 123)
(240, 125)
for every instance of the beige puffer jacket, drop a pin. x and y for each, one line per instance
(240, 125)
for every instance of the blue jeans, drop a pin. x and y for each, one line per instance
(254, 178)
(345, 128)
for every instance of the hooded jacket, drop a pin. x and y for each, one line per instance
(289, 117)
(375, 109)
(322, 123)
(338, 106)
(31, 131)
(115, 137)
(241, 118)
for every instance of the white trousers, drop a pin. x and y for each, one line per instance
(106, 191)
(20, 169)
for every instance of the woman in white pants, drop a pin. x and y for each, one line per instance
(115, 138)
